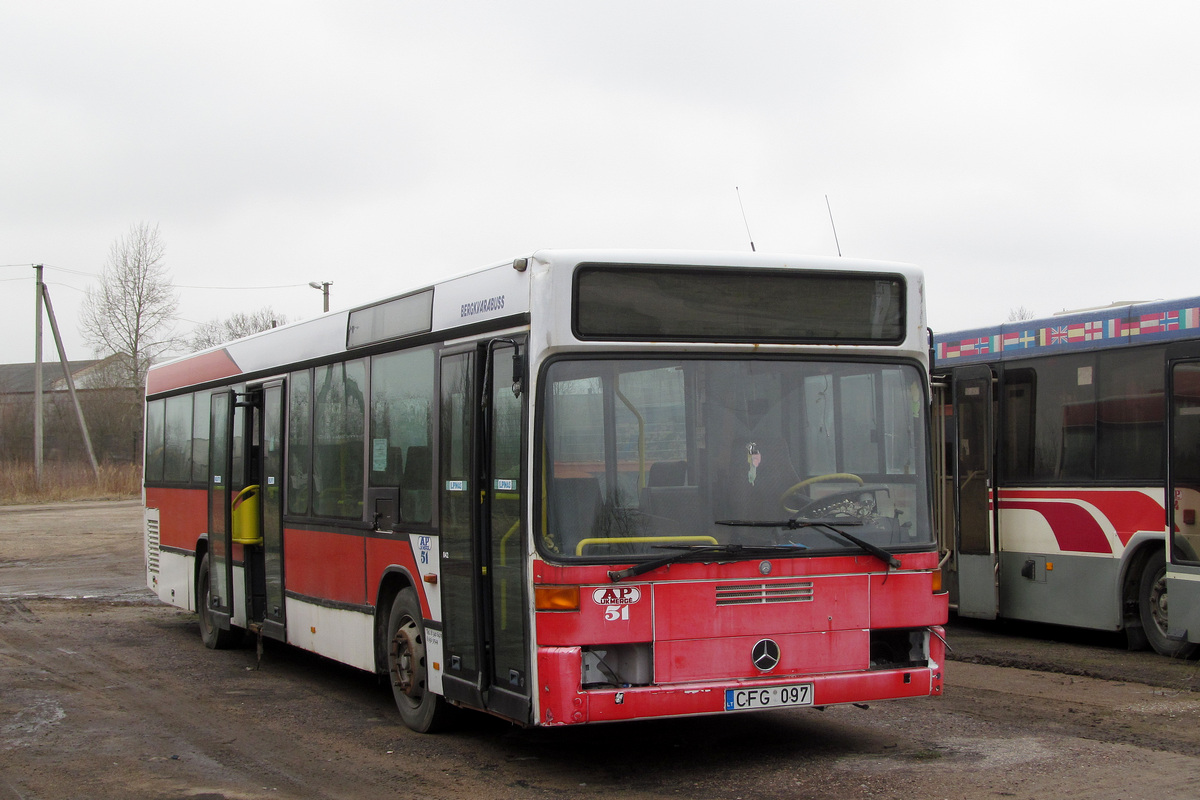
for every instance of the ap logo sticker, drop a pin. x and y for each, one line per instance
(616, 601)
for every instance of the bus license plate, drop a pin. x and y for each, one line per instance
(797, 694)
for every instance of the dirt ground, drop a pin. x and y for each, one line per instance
(105, 693)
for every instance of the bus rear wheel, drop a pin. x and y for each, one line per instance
(215, 638)
(1152, 605)
(408, 666)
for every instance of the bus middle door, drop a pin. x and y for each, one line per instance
(1182, 579)
(974, 481)
(258, 520)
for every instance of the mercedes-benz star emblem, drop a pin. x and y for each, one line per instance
(765, 654)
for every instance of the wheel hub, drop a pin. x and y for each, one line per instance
(1158, 604)
(406, 657)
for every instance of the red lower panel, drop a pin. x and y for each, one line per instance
(385, 553)
(726, 657)
(325, 565)
(562, 702)
(835, 602)
(906, 600)
(182, 515)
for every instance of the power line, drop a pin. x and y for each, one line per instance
(176, 285)
(239, 288)
(72, 271)
(66, 286)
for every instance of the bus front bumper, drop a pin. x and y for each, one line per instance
(563, 701)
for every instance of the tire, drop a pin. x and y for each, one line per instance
(214, 637)
(408, 666)
(1152, 606)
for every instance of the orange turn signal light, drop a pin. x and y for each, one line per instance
(556, 598)
(936, 575)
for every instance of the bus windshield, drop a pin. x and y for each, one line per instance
(646, 456)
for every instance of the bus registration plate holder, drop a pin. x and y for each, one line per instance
(796, 694)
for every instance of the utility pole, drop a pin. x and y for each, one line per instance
(37, 381)
(43, 295)
(62, 357)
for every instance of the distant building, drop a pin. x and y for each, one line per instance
(112, 412)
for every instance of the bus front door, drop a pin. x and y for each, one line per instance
(974, 517)
(501, 532)
(1182, 582)
(485, 661)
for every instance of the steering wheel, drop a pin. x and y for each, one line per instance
(857, 504)
(832, 476)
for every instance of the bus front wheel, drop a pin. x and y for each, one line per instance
(1152, 605)
(408, 666)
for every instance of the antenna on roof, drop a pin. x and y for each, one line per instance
(743, 208)
(835, 239)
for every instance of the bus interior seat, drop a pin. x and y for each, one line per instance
(682, 506)
(667, 473)
(574, 509)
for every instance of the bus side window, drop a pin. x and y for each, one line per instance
(177, 454)
(338, 440)
(1018, 421)
(299, 441)
(416, 490)
(402, 403)
(1129, 415)
(156, 411)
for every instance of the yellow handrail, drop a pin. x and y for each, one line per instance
(516, 526)
(640, 539)
(641, 431)
(504, 541)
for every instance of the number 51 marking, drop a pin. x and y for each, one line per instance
(614, 613)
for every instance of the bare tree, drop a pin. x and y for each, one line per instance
(235, 326)
(132, 313)
(1019, 314)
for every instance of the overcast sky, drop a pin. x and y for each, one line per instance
(1037, 154)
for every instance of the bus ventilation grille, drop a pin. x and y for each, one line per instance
(152, 546)
(747, 594)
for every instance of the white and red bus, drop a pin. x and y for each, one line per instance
(1055, 469)
(574, 487)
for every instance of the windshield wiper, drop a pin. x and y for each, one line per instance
(828, 525)
(734, 550)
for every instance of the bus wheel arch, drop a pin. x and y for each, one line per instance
(392, 584)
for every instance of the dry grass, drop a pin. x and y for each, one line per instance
(64, 482)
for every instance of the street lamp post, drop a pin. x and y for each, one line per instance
(324, 289)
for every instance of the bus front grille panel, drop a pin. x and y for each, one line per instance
(748, 594)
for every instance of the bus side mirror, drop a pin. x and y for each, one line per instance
(518, 372)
